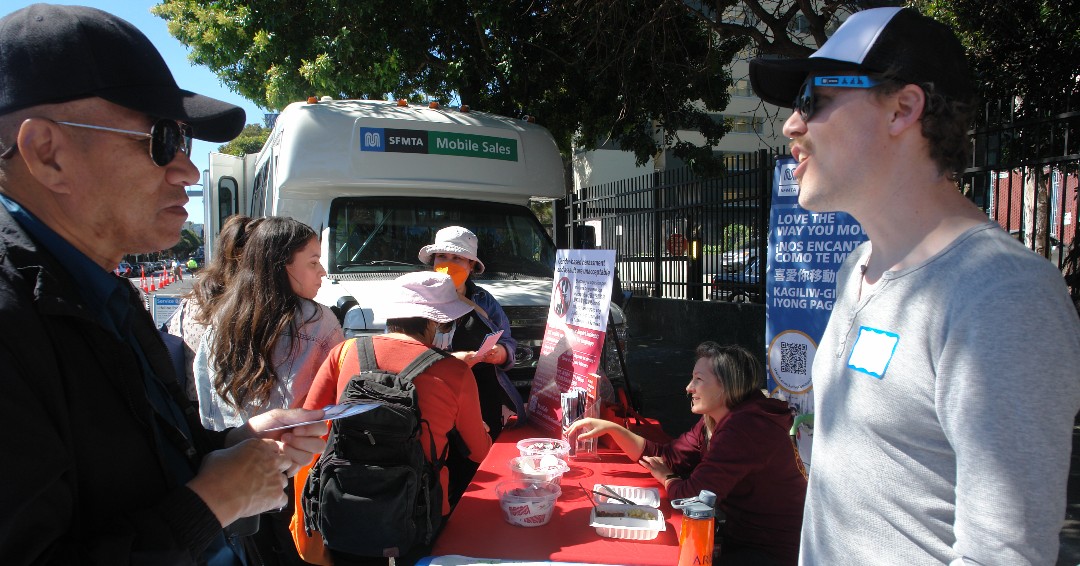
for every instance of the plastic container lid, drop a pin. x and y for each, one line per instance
(546, 467)
(541, 446)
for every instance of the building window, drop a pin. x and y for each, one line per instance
(745, 124)
(740, 87)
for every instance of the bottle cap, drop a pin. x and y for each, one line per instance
(700, 507)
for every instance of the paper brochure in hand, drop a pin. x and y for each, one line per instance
(489, 342)
(334, 412)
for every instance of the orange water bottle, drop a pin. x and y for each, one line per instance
(698, 528)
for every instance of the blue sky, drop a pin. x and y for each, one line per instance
(191, 77)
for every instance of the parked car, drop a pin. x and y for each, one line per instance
(741, 287)
(125, 269)
(735, 261)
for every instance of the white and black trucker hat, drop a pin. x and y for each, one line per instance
(917, 48)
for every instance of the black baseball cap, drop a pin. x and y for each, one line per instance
(51, 54)
(919, 49)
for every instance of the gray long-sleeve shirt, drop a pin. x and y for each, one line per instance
(945, 401)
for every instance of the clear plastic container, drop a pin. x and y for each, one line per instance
(527, 503)
(541, 468)
(540, 446)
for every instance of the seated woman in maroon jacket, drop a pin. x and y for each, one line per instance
(741, 450)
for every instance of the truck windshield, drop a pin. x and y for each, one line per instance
(384, 235)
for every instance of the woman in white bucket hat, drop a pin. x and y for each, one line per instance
(454, 253)
(446, 392)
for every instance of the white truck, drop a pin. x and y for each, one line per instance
(377, 179)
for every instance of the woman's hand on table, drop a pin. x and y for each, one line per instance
(657, 467)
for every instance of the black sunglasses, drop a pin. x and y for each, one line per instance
(806, 102)
(166, 138)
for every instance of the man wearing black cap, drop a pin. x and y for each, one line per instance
(105, 462)
(945, 383)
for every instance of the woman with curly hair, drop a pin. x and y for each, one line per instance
(192, 318)
(267, 335)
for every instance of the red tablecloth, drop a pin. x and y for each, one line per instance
(477, 528)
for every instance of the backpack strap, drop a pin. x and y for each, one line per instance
(344, 351)
(421, 364)
(365, 353)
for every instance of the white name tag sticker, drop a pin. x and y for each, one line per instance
(873, 350)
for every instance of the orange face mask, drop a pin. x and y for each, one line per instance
(455, 271)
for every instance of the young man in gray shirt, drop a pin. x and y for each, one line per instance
(946, 381)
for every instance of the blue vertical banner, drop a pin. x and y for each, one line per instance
(805, 252)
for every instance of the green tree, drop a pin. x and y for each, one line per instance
(1024, 58)
(781, 28)
(189, 242)
(632, 73)
(250, 140)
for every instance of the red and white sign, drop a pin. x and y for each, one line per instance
(574, 339)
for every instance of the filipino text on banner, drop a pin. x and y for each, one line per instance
(805, 252)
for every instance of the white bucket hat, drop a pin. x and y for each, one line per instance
(424, 294)
(453, 240)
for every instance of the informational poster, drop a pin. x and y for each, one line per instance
(576, 327)
(806, 250)
(164, 307)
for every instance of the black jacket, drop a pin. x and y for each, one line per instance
(82, 480)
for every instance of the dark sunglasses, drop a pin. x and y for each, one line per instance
(806, 102)
(166, 138)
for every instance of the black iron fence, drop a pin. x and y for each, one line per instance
(675, 232)
(677, 235)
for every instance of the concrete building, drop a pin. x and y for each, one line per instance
(754, 124)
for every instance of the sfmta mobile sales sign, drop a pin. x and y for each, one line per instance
(806, 250)
(576, 327)
(399, 140)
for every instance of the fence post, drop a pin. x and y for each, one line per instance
(561, 211)
(658, 237)
(766, 167)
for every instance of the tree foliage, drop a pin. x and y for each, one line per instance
(630, 73)
(250, 140)
(189, 242)
(781, 28)
(1027, 51)
(626, 72)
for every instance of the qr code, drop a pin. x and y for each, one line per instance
(793, 358)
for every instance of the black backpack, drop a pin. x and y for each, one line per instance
(373, 492)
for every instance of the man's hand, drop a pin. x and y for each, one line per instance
(243, 480)
(299, 444)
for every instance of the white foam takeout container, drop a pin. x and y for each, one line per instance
(626, 526)
(648, 496)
